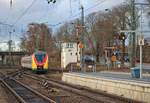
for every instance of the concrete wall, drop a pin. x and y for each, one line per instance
(128, 89)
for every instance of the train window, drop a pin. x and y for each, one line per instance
(40, 57)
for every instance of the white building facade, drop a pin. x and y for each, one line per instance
(70, 53)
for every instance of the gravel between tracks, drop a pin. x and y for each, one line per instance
(5, 95)
(57, 94)
(64, 96)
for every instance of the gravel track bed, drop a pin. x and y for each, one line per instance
(57, 94)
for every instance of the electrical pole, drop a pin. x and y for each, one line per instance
(11, 2)
(141, 38)
(133, 36)
(77, 33)
(82, 15)
(82, 36)
(9, 45)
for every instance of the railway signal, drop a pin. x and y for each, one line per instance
(122, 37)
(81, 46)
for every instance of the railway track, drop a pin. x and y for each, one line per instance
(101, 97)
(57, 94)
(23, 93)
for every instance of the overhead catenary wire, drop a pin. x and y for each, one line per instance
(73, 16)
(45, 15)
(10, 27)
(2, 23)
(23, 13)
(85, 10)
(20, 17)
(27, 9)
(97, 4)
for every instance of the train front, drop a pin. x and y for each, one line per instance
(40, 61)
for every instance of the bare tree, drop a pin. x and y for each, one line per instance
(101, 28)
(38, 36)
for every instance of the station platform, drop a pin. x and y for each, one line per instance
(117, 76)
(117, 83)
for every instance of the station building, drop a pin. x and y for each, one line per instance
(70, 53)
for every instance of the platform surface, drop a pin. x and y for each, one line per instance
(116, 76)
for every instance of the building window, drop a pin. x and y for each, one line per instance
(71, 45)
(67, 45)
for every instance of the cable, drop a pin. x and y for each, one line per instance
(24, 12)
(45, 15)
(95, 5)
(2, 23)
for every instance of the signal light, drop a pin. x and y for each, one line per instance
(122, 36)
(81, 45)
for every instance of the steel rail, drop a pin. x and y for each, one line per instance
(81, 90)
(37, 93)
(12, 91)
(12, 85)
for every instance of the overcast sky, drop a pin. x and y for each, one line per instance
(40, 11)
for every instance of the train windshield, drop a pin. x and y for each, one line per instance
(40, 57)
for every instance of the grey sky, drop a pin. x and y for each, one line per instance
(41, 11)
